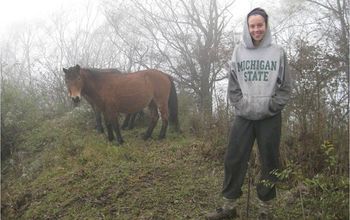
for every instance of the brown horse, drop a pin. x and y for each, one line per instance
(129, 118)
(126, 93)
(97, 112)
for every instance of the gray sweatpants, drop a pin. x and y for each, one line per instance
(243, 133)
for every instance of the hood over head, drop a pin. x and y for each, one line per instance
(247, 39)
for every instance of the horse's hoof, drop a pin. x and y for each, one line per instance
(99, 129)
(145, 137)
(120, 142)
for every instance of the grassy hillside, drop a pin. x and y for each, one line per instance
(66, 170)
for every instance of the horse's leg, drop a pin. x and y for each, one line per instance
(98, 117)
(164, 115)
(154, 118)
(132, 121)
(115, 124)
(109, 128)
(126, 122)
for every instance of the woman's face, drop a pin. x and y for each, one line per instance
(257, 28)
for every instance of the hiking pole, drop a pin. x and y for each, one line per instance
(248, 196)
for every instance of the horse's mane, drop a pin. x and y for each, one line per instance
(109, 70)
(98, 73)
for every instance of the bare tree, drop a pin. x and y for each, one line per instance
(191, 40)
(129, 37)
(318, 50)
(338, 13)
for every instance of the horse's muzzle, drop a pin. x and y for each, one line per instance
(76, 99)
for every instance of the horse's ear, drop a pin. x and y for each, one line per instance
(77, 67)
(65, 70)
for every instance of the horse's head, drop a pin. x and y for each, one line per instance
(74, 82)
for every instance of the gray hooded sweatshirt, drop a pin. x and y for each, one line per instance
(259, 84)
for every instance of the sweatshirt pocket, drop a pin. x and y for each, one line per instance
(254, 107)
(274, 107)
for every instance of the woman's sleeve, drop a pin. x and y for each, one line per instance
(234, 91)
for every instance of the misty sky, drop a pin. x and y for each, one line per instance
(30, 11)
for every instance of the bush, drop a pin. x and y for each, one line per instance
(324, 195)
(19, 114)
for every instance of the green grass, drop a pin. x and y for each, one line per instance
(71, 172)
(66, 170)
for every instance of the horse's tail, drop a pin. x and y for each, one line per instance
(173, 106)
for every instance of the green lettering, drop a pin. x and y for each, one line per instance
(266, 65)
(248, 76)
(240, 66)
(262, 65)
(273, 65)
(247, 65)
(255, 76)
(252, 64)
(266, 73)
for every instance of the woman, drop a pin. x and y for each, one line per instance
(259, 87)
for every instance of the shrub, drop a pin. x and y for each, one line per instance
(19, 113)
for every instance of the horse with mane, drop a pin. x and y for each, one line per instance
(129, 120)
(126, 93)
(97, 112)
